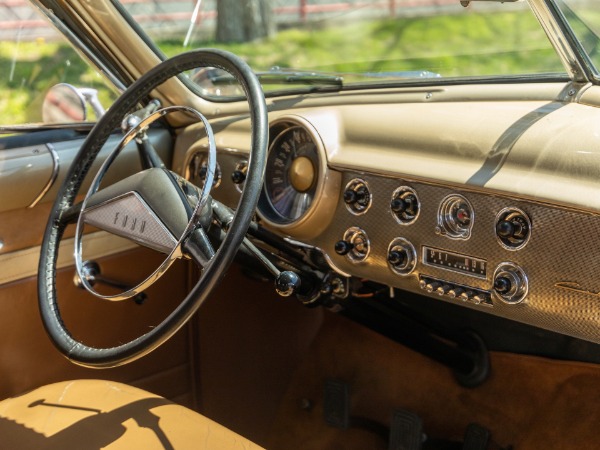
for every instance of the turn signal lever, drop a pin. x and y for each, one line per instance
(148, 155)
(91, 272)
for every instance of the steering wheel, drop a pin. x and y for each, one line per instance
(159, 191)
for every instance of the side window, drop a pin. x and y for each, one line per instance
(34, 57)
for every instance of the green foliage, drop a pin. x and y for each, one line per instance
(31, 68)
(453, 45)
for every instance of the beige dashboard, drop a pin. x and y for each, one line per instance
(487, 200)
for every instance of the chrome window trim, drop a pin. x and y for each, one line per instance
(557, 33)
(55, 168)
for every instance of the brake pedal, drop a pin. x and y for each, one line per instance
(336, 404)
(406, 431)
(476, 437)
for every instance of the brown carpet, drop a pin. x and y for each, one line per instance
(528, 402)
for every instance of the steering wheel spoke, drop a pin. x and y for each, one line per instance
(154, 199)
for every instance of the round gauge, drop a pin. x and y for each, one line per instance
(455, 217)
(291, 175)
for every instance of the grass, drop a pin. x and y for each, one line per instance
(454, 45)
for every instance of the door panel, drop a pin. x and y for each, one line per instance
(28, 359)
(25, 170)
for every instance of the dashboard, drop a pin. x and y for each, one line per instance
(420, 198)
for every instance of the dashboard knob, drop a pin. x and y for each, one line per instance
(404, 205)
(480, 298)
(202, 172)
(358, 196)
(398, 205)
(510, 283)
(513, 228)
(397, 257)
(343, 247)
(287, 283)
(350, 196)
(502, 285)
(505, 229)
(238, 176)
(401, 256)
(407, 205)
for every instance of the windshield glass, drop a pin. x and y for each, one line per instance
(293, 44)
(583, 17)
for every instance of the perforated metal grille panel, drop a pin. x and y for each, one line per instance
(561, 260)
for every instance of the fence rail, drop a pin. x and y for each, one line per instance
(18, 17)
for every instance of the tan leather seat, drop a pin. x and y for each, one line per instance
(94, 414)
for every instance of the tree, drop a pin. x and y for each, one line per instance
(244, 20)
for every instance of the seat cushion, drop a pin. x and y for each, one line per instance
(94, 414)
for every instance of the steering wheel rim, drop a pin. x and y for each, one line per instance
(70, 347)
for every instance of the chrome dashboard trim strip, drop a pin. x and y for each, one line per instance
(53, 175)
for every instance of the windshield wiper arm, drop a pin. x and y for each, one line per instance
(284, 76)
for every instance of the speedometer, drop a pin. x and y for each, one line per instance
(291, 175)
(300, 193)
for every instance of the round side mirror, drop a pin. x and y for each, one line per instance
(63, 103)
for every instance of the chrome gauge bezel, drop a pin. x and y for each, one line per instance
(284, 153)
(321, 211)
(447, 222)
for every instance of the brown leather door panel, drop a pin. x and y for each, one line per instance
(28, 162)
(28, 359)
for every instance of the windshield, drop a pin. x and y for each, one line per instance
(584, 19)
(295, 44)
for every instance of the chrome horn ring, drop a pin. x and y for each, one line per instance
(176, 251)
